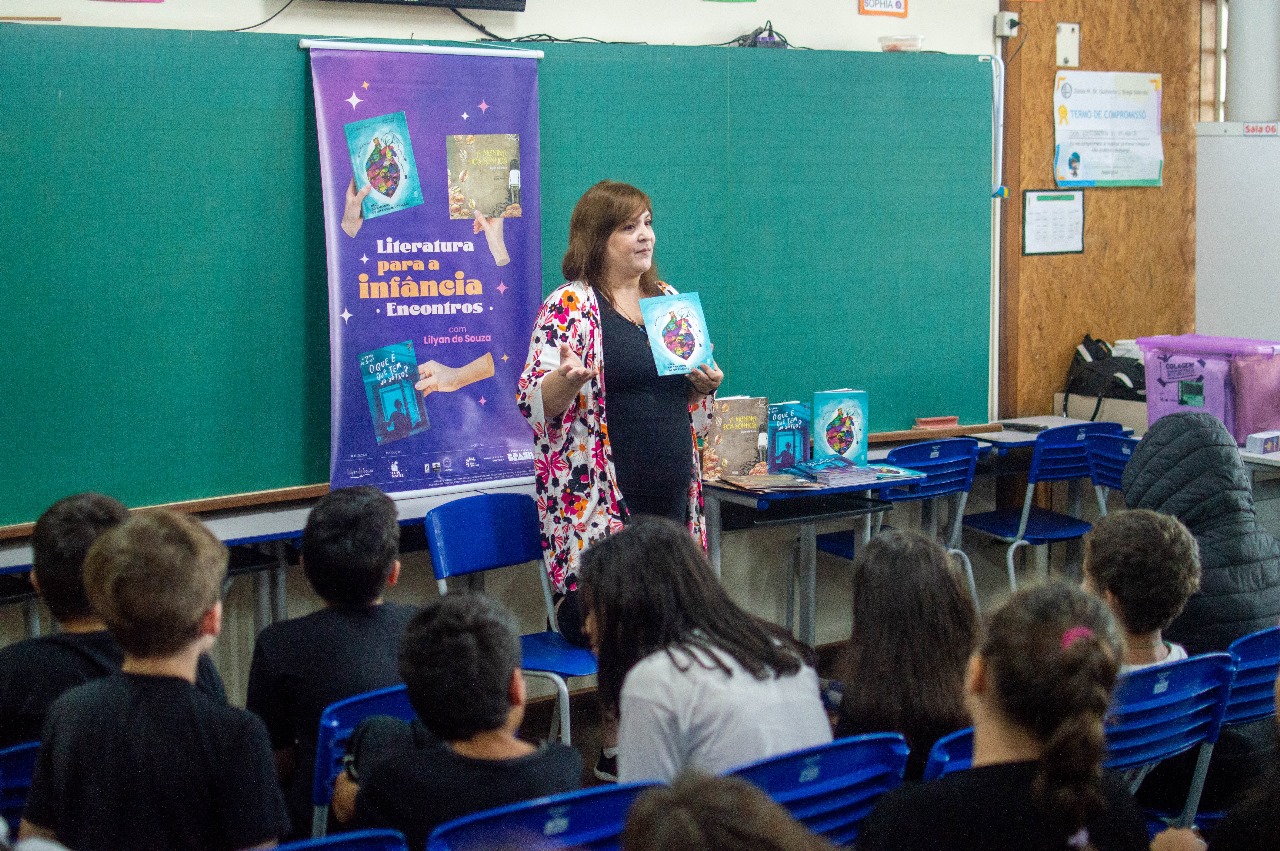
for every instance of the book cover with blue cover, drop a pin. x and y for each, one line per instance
(382, 158)
(840, 424)
(397, 409)
(788, 434)
(677, 332)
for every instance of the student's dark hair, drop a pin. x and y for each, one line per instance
(456, 658)
(153, 578)
(1052, 653)
(599, 212)
(914, 628)
(650, 588)
(349, 545)
(1149, 561)
(59, 544)
(699, 812)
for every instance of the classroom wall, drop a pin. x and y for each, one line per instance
(1136, 276)
(951, 26)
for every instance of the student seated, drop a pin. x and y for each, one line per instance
(914, 628)
(1145, 566)
(694, 680)
(34, 672)
(700, 812)
(142, 759)
(350, 551)
(1038, 689)
(460, 660)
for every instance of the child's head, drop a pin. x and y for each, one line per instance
(1047, 667)
(1145, 565)
(914, 628)
(154, 579)
(699, 812)
(649, 587)
(458, 658)
(59, 544)
(350, 545)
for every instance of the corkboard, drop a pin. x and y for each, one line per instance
(1136, 276)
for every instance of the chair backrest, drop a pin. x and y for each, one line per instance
(336, 725)
(831, 788)
(1108, 456)
(1063, 452)
(483, 532)
(948, 465)
(359, 840)
(1257, 661)
(17, 764)
(1164, 710)
(953, 752)
(589, 819)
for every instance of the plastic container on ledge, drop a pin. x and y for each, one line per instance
(1236, 380)
(901, 43)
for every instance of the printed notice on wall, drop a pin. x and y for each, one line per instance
(892, 8)
(1107, 129)
(1052, 222)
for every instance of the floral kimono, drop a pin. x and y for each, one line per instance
(577, 487)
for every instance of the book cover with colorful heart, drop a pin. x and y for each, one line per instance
(397, 409)
(840, 424)
(677, 332)
(382, 158)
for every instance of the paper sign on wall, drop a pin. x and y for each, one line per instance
(893, 8)
(1107, 129)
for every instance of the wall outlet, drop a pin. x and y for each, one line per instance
(1007, 24)
(1068, 45)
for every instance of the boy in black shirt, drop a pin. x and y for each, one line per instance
(142, 759)
(350, 551)
(34, 672)
(461, 662)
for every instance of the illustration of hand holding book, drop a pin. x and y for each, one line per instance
(353, 215)
(435, 377)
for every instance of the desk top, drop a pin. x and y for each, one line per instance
(1270, 459)
(1013, 439)
(761, 500)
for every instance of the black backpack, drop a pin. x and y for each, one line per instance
(1095, 371)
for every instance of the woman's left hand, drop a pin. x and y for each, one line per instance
(706, 378)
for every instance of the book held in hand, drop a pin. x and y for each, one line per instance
(397, 409)
(382, 158)
(733, 445)
(840, 424)
(677, 332)
(788, 434)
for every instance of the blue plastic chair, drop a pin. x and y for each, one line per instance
(831, 788)
(953, 752)
(589, 819)
(949, 466)
(359, 840)
(1109, 454)
(1060, 454)
(1165, 710)
(337, 723)
(17, 764)
(488, 531)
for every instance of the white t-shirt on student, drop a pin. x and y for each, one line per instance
(688, 712)
(1176, 654)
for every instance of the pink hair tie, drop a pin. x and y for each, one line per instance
(1076, 633)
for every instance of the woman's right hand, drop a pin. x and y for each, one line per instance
(571, 367)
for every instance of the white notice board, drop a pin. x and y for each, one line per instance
(1052, 222)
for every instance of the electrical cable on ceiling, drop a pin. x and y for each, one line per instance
(267, 21)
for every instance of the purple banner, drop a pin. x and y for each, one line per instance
(429, 165)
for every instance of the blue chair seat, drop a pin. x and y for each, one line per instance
(17, 764)
(953, 752)
(842, 544)
(548, 651)
(359, 840)
(1042, 526)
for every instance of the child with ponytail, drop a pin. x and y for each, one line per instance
(1037, 689)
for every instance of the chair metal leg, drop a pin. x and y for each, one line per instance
(1102, 499)
(560, 722)
(1188, 816)
(792, 571)
(1013, 579)
(31, 614)
(319, 822)
(968, 573)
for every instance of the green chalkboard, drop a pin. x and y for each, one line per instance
(164, 308)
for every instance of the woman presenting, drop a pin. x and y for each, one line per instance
(593, 468)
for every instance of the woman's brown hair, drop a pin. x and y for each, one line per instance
(599, 212)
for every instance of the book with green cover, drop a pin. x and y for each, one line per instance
(840, 424)
(382, 158)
